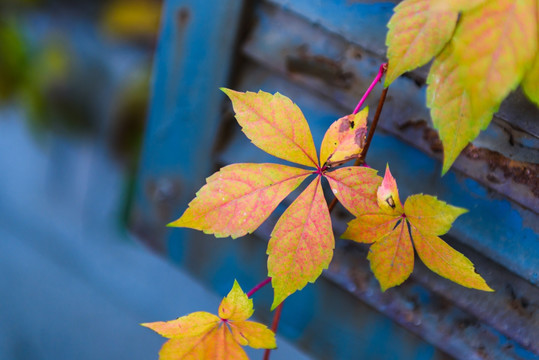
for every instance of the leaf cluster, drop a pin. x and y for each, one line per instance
(482, 51)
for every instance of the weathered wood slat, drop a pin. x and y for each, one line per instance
(193, 60)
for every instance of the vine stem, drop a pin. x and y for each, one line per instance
(258, 287)
(274, 326)
(359, 161)
(381, 72)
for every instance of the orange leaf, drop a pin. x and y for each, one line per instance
(355, 188)
(344, 139)
(392, 257)
(301, 243)
(201, 335)
(446, 261)
(275, 124)
(417, 32)
(238, 198)
(388, 195)
(218, 344)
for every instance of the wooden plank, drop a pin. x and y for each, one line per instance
(193, 60)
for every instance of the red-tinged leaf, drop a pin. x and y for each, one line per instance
(301, 243)
(388, 195)
(430, 215)
(417, 32)
(446, 261)
(344, 139)
(369, 228)
(238, 198)
(275, 124)
(494, 45)
(450, 107)
(255, 335)
(203, 336)
(190, 325)
(355, 187)
(455, 5)
(236, 305)
(392, 257)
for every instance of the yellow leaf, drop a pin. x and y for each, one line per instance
(275, 124)
(301, 243)
(236, 305)
(446, 261)
(238, 198)
(417, 32)
(494, 45)
(253, 334)
(430, 215)
(344, 139)
(392, 257)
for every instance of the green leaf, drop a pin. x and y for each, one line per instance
(450, 107)
(417, 32)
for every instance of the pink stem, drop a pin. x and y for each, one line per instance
(381, 72)
(258, 287)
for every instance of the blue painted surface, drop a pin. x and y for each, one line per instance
(364, 24)
(193, 60)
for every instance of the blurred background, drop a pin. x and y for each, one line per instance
(110, 120)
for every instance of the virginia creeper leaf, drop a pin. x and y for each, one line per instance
(455, 5)
(430, 215)
(344, 139)
(201, 335)
(301, 243)
(530, 83)
(392, 257)
(494, 45)
(238, 198)
(275, 124)
(369, 228)
(417, 32)
(388, 195)
(450, 108)
(355, 188)
(446, 261)
(236, 305)
(391, 254)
